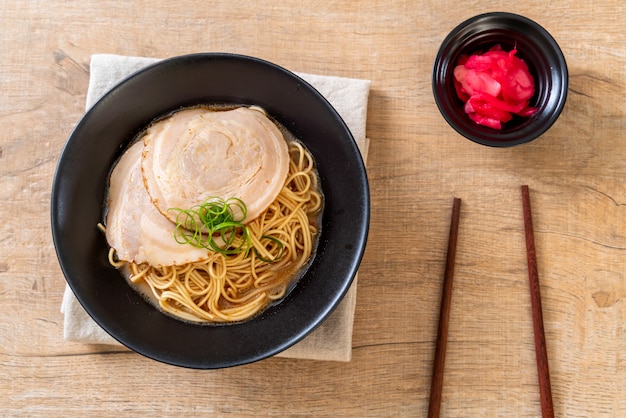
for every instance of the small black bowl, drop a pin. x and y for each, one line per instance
(535, 46)
(105, 131)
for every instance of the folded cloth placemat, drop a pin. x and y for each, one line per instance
(333, 339)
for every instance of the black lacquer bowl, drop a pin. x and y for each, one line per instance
(106, 129)
(534, 45)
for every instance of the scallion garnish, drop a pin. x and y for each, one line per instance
(279, 249)
(217, 225)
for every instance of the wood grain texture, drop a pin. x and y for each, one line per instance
(416, 164)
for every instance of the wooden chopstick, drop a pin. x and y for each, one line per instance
(436, 387)
(545, 392)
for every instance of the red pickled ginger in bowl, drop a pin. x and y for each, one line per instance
(494, 86)
(503, 95)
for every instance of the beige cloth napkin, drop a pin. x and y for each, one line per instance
(333, 339)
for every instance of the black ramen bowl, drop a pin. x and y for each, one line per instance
(534, 45)
(103, 133)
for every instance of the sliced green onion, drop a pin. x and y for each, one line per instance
(215, 226)
(281, 249)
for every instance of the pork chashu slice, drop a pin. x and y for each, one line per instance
(197, 154)
(137, 231)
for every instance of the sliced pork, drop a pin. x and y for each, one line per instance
(196, 154)
(134, 227)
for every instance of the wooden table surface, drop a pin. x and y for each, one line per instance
(417, 165)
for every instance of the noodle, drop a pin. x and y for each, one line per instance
(231, 288)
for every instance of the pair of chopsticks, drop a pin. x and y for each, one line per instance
(545, 390)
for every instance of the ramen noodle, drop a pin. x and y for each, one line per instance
(213, 214)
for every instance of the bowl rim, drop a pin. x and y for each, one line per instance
(494, 21)
(293, 333)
